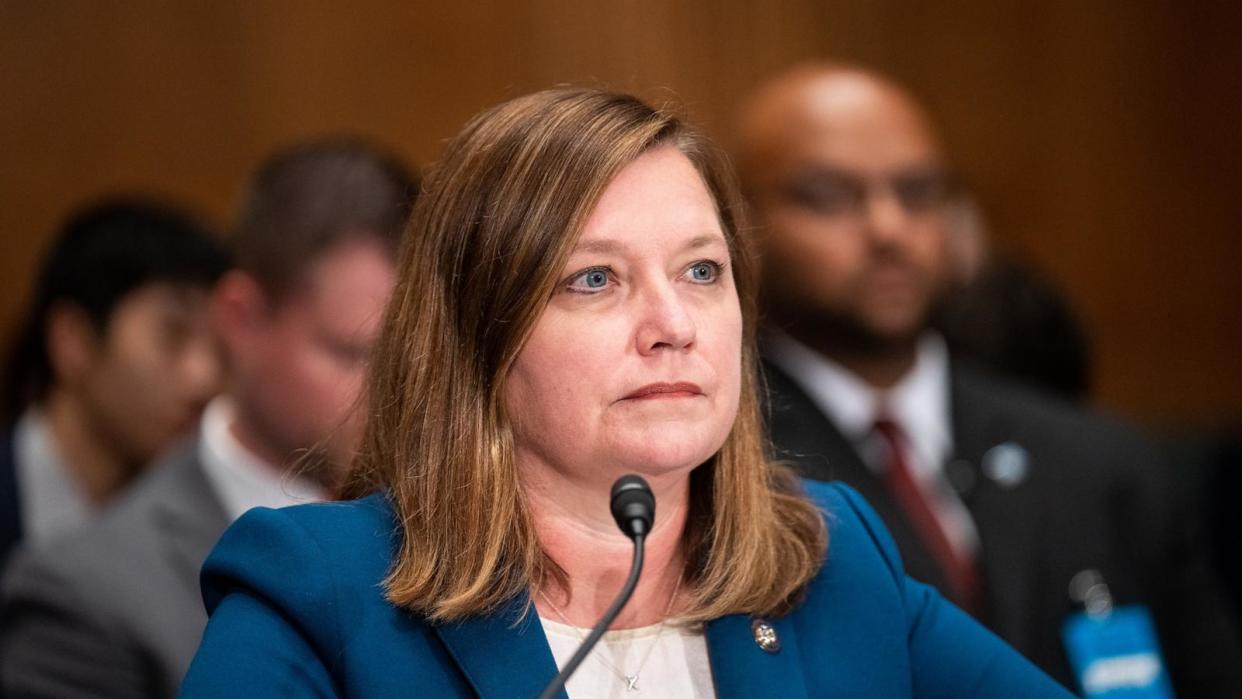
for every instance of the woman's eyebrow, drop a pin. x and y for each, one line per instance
(599, 246)
(704, 241)
(602, 246)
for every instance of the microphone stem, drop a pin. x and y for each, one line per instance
(636, 568)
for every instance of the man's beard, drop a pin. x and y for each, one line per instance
(836, 332)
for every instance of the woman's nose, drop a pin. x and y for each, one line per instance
(665, 322)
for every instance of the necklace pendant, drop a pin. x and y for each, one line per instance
(631, 683)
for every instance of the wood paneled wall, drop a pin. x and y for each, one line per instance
(1103, 138)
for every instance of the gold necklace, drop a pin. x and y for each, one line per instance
(631, 681)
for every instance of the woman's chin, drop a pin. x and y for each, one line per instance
(656, 457)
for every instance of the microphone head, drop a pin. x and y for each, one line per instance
(633, 505)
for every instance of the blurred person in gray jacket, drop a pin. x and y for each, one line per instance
(112, 365)
(115, 610)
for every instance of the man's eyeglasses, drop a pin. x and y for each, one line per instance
(831, 192)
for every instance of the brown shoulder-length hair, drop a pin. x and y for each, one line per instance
(485, 247)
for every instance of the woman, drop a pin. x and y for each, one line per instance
(576, 303)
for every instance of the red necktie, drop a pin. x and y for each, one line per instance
(958, 569)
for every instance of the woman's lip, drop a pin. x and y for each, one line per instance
(680, 389)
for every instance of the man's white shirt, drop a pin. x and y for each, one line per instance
(240, 478)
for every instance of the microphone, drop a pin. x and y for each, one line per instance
(633, 509)
(633, 505)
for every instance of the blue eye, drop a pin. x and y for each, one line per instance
(590, 280)
(704, 272)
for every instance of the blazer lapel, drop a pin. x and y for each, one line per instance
(1005, 505)
(809, 441)
(187, 513)
(741, 668)
(800, 433)
(504, 654)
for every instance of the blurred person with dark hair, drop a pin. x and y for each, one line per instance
(997, 495)
(113, 365)
(1012, 320)
(1003, 314)
(116, 610)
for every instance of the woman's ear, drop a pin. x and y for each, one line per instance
(72, 343)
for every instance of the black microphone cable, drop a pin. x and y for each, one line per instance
(633, 508)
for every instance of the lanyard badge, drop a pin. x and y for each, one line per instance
(1113, 650)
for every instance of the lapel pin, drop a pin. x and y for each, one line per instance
(765, 636)
(1007, 464)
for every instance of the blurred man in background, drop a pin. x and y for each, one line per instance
(995, 494)
(116, 611)
(114, 364)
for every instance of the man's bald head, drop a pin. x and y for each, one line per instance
(847, 184)
(822, 103)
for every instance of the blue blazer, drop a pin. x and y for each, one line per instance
(297, 609)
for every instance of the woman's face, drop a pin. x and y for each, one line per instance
(635, 364)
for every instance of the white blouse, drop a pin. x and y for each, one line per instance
(663, 660)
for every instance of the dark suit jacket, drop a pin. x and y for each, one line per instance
(1089, 497)
(114, 610)
(298, 609)
(10, 500)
